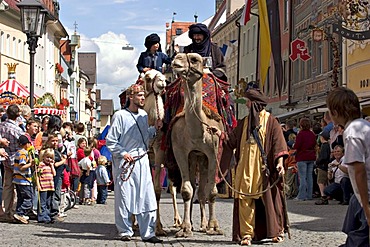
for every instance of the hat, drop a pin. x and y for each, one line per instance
(325, 135)
(23, 140)
(151, 39)
(198, 28)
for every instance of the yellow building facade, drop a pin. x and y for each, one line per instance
(358, 70)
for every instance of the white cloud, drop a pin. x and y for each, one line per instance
(116, 68)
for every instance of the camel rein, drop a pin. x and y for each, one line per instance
(126, 168)
(218, 158)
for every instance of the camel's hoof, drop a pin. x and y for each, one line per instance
(184, 234)
(177, 223)
(160, 232)
(203, 229)
(215, 232)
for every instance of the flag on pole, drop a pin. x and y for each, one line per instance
(265, 41)
(246, 16)
(274, 19)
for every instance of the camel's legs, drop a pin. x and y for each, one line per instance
(177, 219)
(158, 189)
(202, 196)
(186, 191)
(213, 226)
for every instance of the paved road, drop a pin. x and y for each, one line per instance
(311, 225)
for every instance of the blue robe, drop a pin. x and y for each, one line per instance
(137, 193)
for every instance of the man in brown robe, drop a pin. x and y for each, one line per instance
(259, 211)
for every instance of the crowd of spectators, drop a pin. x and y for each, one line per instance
(314, 166)
(42, 158)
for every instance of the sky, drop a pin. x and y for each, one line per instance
(105, 26)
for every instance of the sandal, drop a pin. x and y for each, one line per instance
(246, 241)
(125, 238)
(278, 239)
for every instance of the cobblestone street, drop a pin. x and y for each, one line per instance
(311, 225)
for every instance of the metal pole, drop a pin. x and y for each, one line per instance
(258, 45)
(32, 45)
(238, 67)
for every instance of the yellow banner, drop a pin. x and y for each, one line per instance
(265, 41)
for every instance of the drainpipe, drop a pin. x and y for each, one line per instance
(289, 61)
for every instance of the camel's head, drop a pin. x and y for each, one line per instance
(155, 81)
(188, 65)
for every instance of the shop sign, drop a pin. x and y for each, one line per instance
(299, 50)
(349, 34)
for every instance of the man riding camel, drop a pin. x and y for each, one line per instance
(201, 44)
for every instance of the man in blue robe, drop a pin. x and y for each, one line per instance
(133, 187)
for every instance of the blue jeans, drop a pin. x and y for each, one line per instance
(56, 197)
(24, 199)
(102, 194)
(74, 183)
(43, 212)
(340, 192)
(305, 170)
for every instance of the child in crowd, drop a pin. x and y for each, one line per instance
(322, 166)
(93, 143)
(102, 179)
(86, 166)
(45, 185)
(71, 156)
(66, 186)
(81, 145)
(345, 110)
(291, 173)
(22, 178)
(60, 160)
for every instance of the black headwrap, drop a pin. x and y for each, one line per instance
(204, 48)
(152, 39)
(259, 102)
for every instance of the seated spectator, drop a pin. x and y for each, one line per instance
(341, 188)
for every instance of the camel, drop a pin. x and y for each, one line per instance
(193, 145)
(154, 85)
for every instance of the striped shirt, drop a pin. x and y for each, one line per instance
(46, 177)
(11, 131)
(22, 177)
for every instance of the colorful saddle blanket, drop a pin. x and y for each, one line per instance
(217, 103)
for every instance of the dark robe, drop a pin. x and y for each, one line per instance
(270, 218)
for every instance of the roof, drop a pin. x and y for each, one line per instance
(87, 63)
(107, 107)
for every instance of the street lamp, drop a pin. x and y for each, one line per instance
(32, 19)
(72, 115)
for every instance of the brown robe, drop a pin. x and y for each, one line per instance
(270, 217)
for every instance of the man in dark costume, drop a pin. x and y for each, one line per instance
(201, 37)
(260, 212)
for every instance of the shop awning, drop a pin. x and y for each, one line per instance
(49, 111)
(15, 87)
(288, 114)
